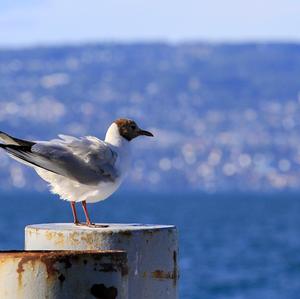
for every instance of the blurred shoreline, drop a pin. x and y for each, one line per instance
(226, 116)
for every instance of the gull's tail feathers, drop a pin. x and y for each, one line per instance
(12, 145)
(7, 139)
(23, 154)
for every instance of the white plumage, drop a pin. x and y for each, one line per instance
(114, 149)
(111, 156)
(84, 169)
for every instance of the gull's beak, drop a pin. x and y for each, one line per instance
(145, 133)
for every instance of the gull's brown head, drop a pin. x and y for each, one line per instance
(129, 129)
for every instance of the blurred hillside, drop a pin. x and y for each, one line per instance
(225, 117)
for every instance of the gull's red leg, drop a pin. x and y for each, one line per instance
(76, 221)
(88, 220)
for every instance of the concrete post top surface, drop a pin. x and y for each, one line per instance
(111, 227)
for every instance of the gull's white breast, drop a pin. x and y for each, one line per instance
(72, 190)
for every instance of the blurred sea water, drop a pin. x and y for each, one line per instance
(231, 245)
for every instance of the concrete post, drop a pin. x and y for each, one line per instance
(151, 249)
(63, 274)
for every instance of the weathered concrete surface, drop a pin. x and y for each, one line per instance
(63, 274)
(152, 251)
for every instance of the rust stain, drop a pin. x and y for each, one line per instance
(60, 253)
(48, 235)
(89, 239)
(100, 291)
(33, 260)
(49, 263)
(174, 275)
(20, 269)
(74, 237)
(58, 237)
(49, 260)
(160, 274)
(117, 261)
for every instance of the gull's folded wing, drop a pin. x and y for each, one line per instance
(87, 160)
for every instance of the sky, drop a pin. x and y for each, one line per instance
(36, 22)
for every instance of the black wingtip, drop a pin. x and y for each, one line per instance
(17, 141)
(15, 147)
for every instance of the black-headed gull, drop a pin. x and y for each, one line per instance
(84, 169)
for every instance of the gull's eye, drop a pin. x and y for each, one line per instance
(133, 127)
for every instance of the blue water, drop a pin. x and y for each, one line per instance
(231, 246)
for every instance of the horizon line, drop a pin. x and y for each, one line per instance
(199, 41)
